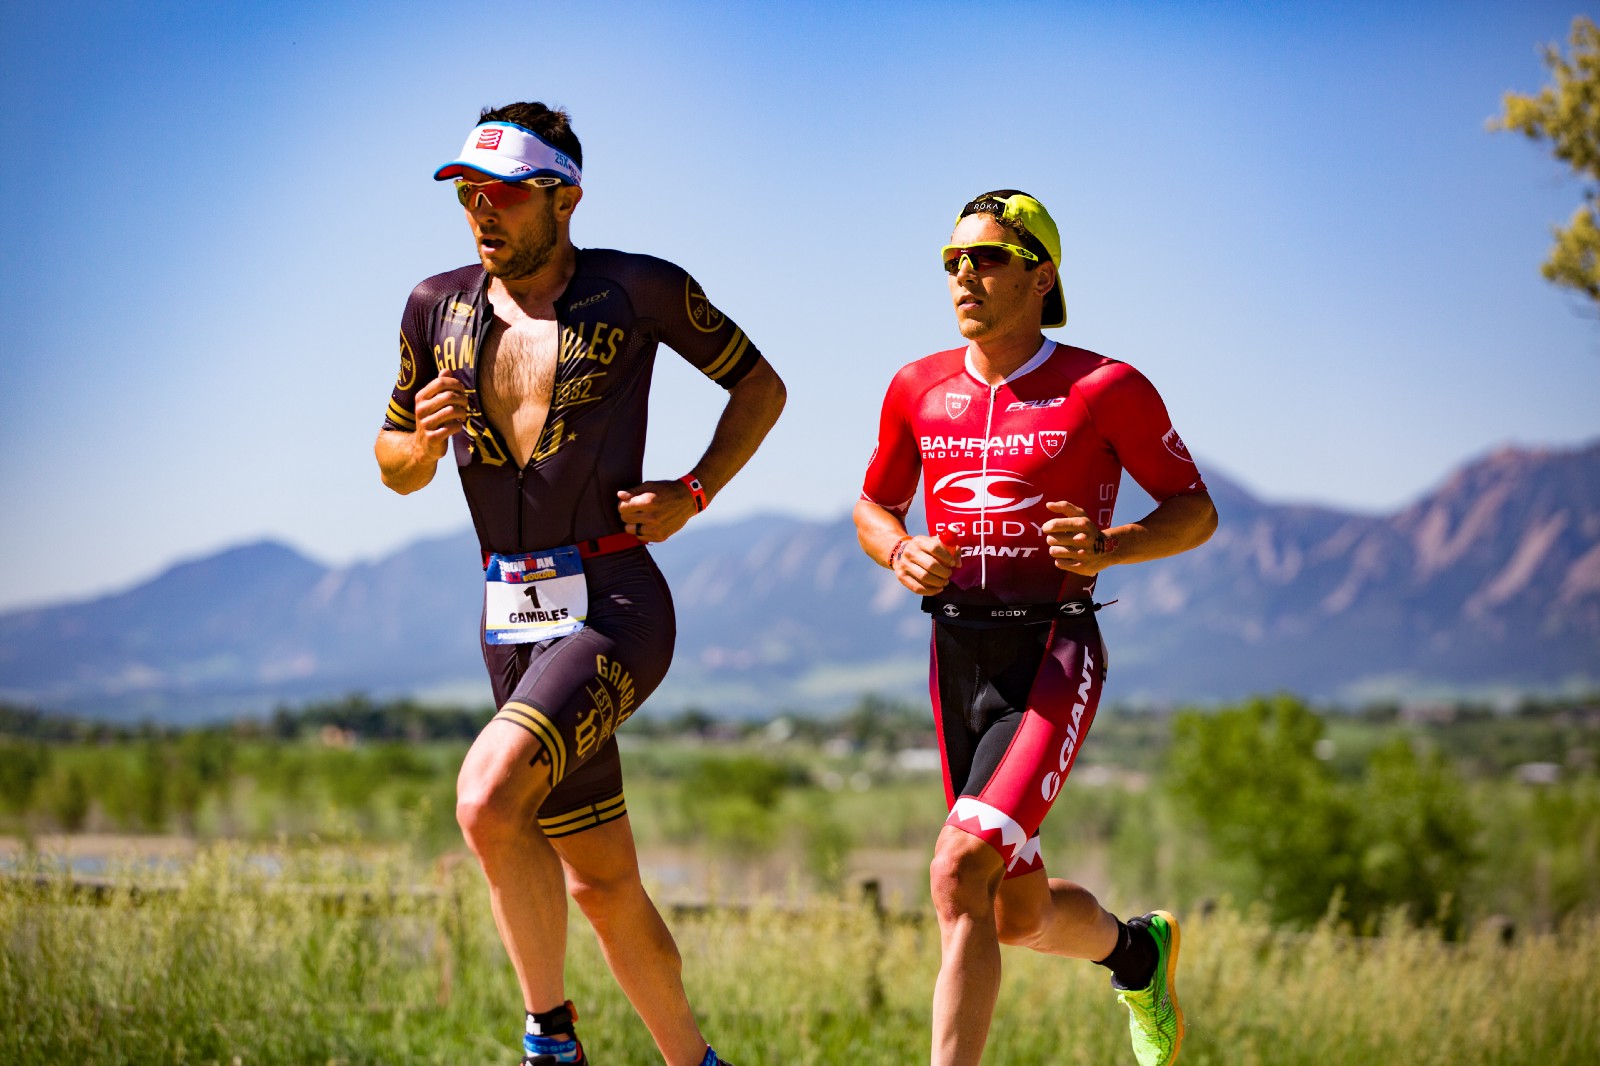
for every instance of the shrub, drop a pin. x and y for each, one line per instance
(1287, 831)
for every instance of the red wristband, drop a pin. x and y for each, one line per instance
(697, 489)
(899, 546)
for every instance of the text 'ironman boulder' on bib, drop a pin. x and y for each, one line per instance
(533, 597)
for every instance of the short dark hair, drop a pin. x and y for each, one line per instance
(553, 124)
(993, 205)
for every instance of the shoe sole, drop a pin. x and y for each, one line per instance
(1172, 979)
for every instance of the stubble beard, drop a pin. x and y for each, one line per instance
(530, 254)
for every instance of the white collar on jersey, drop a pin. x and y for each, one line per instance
(1046, 350)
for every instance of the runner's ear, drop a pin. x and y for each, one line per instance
(567, 197)
(1044, 278)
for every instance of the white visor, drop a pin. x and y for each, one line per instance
(510, 153)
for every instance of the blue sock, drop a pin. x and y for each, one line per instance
(710, 1059)
(536, 1038)
(560, 1050)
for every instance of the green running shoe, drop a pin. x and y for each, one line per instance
(1155, 1021)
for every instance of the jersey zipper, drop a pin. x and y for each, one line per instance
(983, 523)
(521, 470)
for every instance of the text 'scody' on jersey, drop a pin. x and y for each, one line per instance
(1062, 427)
(615, 311)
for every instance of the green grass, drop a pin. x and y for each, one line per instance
(338, 959)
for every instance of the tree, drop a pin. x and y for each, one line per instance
(1416, 837)
(22, 766)
(1286, 830)
(1276, 819)
(1567, 114)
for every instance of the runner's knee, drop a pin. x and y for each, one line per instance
(490, 810)
(602, 893)
(483, 820)
(963, 876)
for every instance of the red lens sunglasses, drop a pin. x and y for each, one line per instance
(500, 194)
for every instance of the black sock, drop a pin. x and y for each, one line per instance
(1133, 961)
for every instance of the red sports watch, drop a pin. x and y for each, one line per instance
(697, 489)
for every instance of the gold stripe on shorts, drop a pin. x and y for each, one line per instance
(534, 721)
(607, 810)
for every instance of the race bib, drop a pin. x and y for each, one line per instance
(534, 597)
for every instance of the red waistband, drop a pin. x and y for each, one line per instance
(588, 549)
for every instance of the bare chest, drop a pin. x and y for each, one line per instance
(516, 379)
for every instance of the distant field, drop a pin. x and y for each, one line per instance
(346, 955)
(296, 891)
(1474, 815)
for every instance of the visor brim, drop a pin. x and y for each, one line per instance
(496, 166)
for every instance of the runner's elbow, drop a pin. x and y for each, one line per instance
(866, 515)
(390, 482)
(1206, 521)
(772, 391)
(397, 474)
(763, 390)
(397, 482)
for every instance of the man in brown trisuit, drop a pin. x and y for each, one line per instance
(534, 364)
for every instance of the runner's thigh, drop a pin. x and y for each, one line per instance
(1028, 745)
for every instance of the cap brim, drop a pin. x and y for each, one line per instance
(1055, 308)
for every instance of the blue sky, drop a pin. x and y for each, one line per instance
(1288, 215)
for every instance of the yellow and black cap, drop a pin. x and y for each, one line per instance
(1027, 218)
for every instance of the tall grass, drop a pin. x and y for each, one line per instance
(340, 957)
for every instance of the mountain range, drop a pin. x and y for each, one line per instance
(1488, 584)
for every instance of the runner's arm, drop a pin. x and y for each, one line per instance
(752, 409)
(1178, 524)
(425, 406)
(1135, 423)
(661, 508)
(407, 460)
(400, 464)
(924, 565)
(878, 529)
